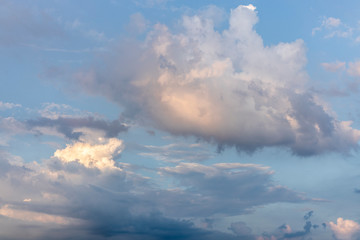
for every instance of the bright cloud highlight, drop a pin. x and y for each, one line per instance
(92, 155)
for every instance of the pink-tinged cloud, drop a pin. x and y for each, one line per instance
(345, 229)
(334, 66)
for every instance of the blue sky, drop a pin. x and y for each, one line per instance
(164, 119)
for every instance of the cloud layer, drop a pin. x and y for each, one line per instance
(224, 87)
(83, 192)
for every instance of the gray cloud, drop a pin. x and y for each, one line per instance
(68, 125)
(240, 229)
(57, 200)
(22, 24)
(177, 152)
(223, 87)
(229, 189)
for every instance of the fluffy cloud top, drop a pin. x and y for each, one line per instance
(224, 87)
(345, 229)
(92, 155)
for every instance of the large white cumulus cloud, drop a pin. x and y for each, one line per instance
(222, 86)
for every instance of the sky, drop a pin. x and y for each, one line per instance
(169, 119)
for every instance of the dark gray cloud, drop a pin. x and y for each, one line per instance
(308, 215)
(68, 125)
(225, 87)
(307, 228)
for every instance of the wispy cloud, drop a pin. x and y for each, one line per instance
(333, 27)
(7, 105)
(334, 66)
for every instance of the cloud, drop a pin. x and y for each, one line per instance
(223, 188)
(75, 127)
(345, 229)
(22, 24)
(334, 67)
(331, 22)
(31, 216)
(90, 155)
(138, 24)
(333, 27)
(354, 69)
(177, 152)
(225, 87)
(240, 229)
(6, 105)
(10, 127)
(76, 199)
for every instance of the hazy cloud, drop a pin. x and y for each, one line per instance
(354, 69)
(334, 66)
(6, 105)
(240, 229)
(22, 24)
(333, 27)
(177, 152)
(223, 188)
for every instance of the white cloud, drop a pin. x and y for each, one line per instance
(224, 87)
(92, 155)
(331, 22)
(333, 27)
(345, 229)
(250, 6)
(6, 105)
